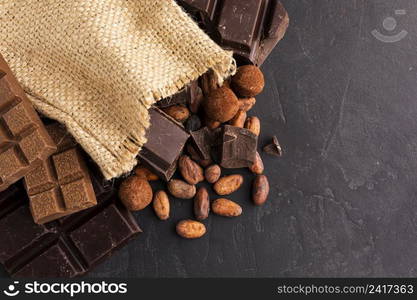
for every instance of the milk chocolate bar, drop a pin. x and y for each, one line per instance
(166, 140)
(65, 248)
(24, 142)
(61, 184)
(250, 28)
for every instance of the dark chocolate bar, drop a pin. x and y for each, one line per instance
(68, 247)
(166, 140)
(61, 185)
(250, 28)
(238, 148)
(24, 142)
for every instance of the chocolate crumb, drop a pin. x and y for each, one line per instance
(274, 148)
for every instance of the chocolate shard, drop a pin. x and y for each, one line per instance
(166, 140)
(238, 149)
(61, 185)
(193, 123)
(65, 248)
(24, 142)
(274, 148)
(251, 29)
(182, 97)
(196, 97)
(203, 140)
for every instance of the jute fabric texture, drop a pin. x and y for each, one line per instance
(98, 65)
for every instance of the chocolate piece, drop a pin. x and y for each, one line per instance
(182, 97)
(61, 185)
(66, 248)
(24, 142)
(238, 149)
(251, 29)
(273, 148)
(193, 123)
(196, 98)
(166, 140)
(203, 140)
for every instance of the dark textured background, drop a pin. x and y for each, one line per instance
(343, 197)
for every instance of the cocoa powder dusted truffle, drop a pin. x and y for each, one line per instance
(135, 193)
(221, 105)
(248, 81)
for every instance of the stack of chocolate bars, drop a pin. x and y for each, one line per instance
(41, 235)
(58, 216)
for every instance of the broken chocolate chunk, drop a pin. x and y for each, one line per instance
(193, 123)
(274, 148)
(251, 29)
(204, 140)
(166, 140)
(238, 148)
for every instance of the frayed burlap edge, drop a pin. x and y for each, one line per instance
(126, 159)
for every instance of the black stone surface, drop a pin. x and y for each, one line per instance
(343, 196)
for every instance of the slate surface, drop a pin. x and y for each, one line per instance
(343, 198)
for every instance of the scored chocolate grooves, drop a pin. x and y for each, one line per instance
(41, 235)
(55, 242)
(251, 29)
(24, 142)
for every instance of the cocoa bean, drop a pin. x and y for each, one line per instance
(228, 184)
(201, 204)
(260, 190)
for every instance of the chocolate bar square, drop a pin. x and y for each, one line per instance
(68, 165)
(57, 256)
(92, 243)
(75, 196)
(61, 185)
(12, 159)
(47, 205)
(24, 141)
(17, 119)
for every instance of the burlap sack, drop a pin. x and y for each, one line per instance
(97, 66)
